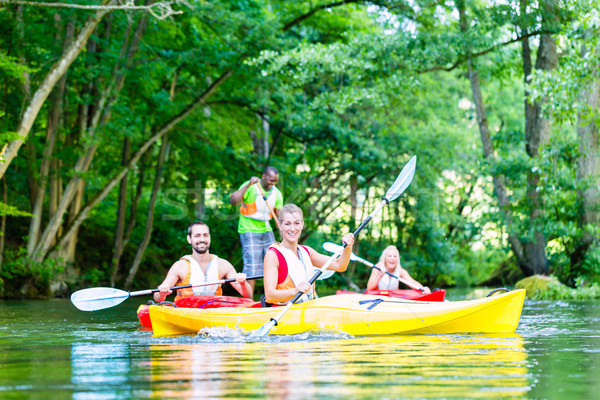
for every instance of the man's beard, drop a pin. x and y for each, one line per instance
(198, 250)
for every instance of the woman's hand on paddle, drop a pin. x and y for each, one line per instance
(348, 239)
(379, 270)
(341, 263)
(376, 275)
(303, 287)
(426, 289)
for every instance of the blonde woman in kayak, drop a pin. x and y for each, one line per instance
(289, 266)
(390, 262)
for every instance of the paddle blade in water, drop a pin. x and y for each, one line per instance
(263, 330)
(99, 298)
(402, 181)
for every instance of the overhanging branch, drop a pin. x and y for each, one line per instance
(160, 10)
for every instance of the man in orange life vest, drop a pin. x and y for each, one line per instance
(200, 267)
(254, 228)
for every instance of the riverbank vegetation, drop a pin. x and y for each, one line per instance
(120, 126)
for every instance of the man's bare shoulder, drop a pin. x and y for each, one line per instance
(225, 268)
(180, 266)
(224, 264)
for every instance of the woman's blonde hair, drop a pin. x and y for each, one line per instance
(386, 251)
(289, 209)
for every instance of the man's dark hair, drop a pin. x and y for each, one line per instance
(195, 223)
(271, 170)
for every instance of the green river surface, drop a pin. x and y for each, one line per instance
(51, 350)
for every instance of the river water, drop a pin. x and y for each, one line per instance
(51, 350)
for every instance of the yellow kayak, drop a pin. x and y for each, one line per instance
(356, 315)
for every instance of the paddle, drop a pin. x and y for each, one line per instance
(399, 186)
(99, 298)
(268, 205)
(332, 247)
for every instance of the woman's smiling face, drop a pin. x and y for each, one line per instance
(291, 226)
(391, 260)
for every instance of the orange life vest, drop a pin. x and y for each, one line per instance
(195, 276)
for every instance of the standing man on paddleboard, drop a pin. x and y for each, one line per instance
(254, 228)
(200, 267)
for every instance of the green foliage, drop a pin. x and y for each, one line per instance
(578, 68)
(10, 68)
(12, 211)
(20, 277)
(550, 288)
(349, 93)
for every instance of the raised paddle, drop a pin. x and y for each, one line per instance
(265, 199)
(99, 298)
(399, 186)
(332, 247)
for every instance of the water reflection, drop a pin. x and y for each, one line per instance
(381, 367)
(100, 371)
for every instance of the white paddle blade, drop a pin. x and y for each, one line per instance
(328, 273)
(263, 330)
(402, 181)
(98, 298)
(332, 248)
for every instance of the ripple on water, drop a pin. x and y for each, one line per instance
(230, 335)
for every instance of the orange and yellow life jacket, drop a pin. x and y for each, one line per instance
(293, 270)
(259, 209)
(196, 276)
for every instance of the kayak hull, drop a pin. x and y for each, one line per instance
(198, 302)
(437, 295)
(356, 315)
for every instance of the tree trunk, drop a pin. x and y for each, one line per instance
(121, 211)
(150, 218)
(136, 201)
(67, 252)
(3, 221)
(537, 134)
(55, 73)
(53, 200)
(54, 114)
(266, 132)
(588, 166)
(488, 150)
(101, 116)
(120, 242)
(26, 87)
(132, 217)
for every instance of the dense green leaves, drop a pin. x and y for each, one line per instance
(338, 99)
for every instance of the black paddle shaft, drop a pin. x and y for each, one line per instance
(190, 285)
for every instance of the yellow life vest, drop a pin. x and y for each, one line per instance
(196, 276)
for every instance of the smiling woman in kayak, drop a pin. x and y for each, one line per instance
(288, 266)
(390, 262)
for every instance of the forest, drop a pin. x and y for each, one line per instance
(121, 122)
